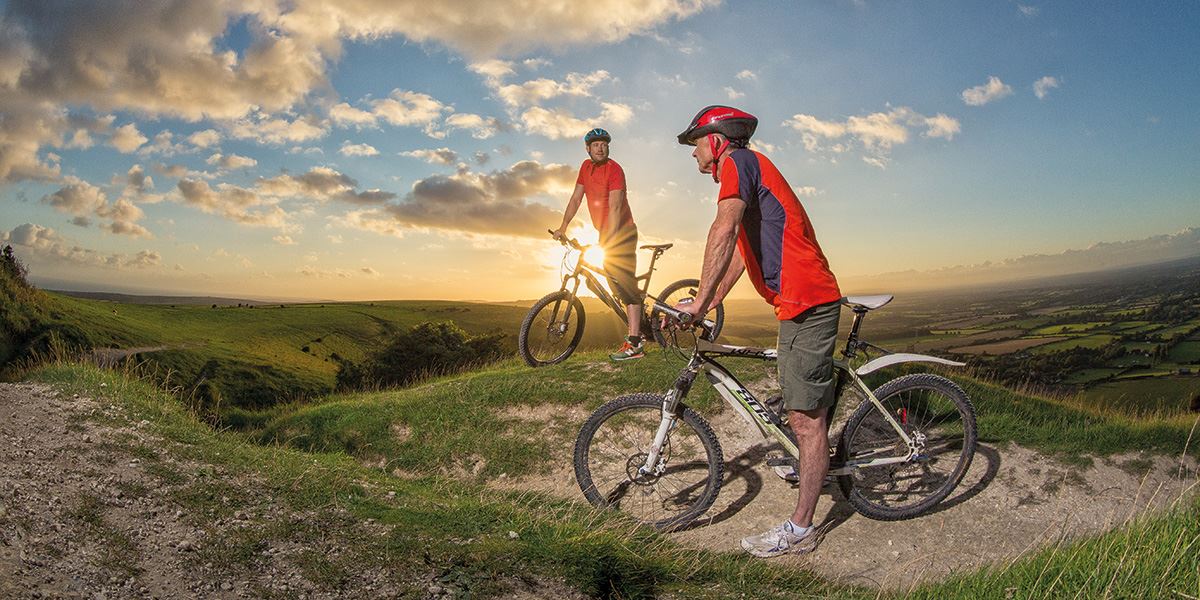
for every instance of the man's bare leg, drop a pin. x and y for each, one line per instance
(811, 440)
(634, 312)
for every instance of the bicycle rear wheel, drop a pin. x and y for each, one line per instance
(938, 415)
(615, 441)
(672, 295)
(549, 334)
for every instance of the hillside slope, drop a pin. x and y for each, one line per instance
(143, 496)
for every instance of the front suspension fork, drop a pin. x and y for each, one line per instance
(670, 416)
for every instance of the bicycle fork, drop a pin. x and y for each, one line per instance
(653, 466)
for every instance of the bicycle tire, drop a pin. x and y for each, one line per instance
(615, 450)
(939, 411)
(556, 302)
(689, 287)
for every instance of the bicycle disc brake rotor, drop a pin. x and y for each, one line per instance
(635, 463)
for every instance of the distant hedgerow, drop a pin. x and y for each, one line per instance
(426, 349)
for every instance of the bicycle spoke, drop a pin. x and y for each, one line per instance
(619, 448)
(933, 422)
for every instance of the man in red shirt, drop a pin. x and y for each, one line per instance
(602, 181)
(759, 213)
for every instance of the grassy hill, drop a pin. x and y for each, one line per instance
(322, 462)
(251, 357)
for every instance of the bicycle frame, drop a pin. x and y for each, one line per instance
(752, 410)
(589, 273)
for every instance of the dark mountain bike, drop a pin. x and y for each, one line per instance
(903, 450)
(554, 326)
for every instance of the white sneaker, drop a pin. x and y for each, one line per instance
(781, 540)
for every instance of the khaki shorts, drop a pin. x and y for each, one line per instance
(805, 365)
(620, 261)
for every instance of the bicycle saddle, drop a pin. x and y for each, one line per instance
(867, 302)
(659, 247)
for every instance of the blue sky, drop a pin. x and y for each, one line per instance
(417, 150)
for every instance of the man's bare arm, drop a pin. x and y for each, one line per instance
(732, 273)
(719, 250)
(616, 205)
(572, 208)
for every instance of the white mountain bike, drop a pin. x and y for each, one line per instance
(902, 451)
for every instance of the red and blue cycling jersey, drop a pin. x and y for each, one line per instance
(776, 239)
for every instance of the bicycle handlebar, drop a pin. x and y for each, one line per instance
(572, 242)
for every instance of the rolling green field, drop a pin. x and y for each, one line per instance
(252, 357)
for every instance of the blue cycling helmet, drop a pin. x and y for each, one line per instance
(597, 134)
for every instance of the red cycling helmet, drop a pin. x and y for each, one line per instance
(736, 125)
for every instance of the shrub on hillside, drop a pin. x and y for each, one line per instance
(426, 349)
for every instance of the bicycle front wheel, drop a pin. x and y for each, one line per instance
(551, 330)
(937, 414)
(684, 289)
(615, 441)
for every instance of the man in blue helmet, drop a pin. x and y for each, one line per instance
(602, 181)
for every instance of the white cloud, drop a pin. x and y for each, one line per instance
(979, 95)
(322, 184)
(560, 124)
(479, 31)
(1028, 10)
(536, 91)
(205, 138)
(876, 132)
(170, 60)
(493, 203)
(1043, 86)
(747, 75)
(942, 126)
(265, 129)
(807, 191)
(127, 138)
(284, 240)
(78, 197)
(402, 108)
(732, 93)
(231, 161)
(481, 128)
(442, 156)
(235, 203)
(349, 149)
(46, 244)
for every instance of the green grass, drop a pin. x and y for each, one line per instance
(1163, 396)
(456, 531)
(1185, 352)
(1096, 340)
(1075, 425)
(1086, 376)
(250, 358)
(1070, 328)
(460, 422)
(1150, 557)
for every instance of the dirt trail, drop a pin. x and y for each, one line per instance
(90, 508)
(1011, 500)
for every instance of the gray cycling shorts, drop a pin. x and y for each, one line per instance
(805, 364)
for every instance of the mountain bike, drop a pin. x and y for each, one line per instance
(554, 325)
(901, 452)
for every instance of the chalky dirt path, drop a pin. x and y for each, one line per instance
(90, 508)
(1012, 500)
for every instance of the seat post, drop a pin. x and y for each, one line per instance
(852, 339)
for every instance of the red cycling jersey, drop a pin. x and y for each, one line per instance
(597, 181)
(776, 239)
